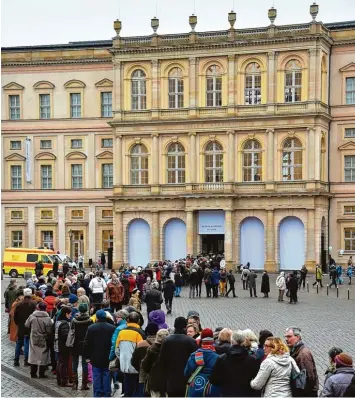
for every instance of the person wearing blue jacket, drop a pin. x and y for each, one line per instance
(349, 273)
(215, 277)
(199, 368)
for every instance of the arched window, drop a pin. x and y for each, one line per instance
(214, 86)
(292, 160)
(252, 161)
(214, 162)
(139, 165)
(252, 84)
(293, 81)
(176, 164)
(139, 92)
(176, 88)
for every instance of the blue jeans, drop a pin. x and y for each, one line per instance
(75, 364)
(177, 291)
(130, 384)
(101, 382)
(22, 341)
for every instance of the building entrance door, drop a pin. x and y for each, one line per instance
(212, 244)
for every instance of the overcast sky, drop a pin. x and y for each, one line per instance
(31, 22)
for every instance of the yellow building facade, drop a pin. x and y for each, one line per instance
(168, 145)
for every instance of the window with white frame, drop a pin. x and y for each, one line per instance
(252, 170)
(107, 175)
(75, 105)
(350, 90)
(47, 239)
(44, 106)
(349, 239)
(77, 176)
(16, 145)
(176, 88)
(106, 143)
(214, 86)
(106, 104)
(292, 160)
(139, 165)
(77, 143)
(46, 144)
(349, 168)
(16, 177)
(14, 107)
(252, 84)
(349, 209)
(176, 164)
(139, 91)
(16, 239)
(214, 162)
(293, 81)
(350, 132)
(16, 215)
(46, 176)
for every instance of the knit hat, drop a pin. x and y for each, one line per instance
(73, 299)
(135, 290)
(180, 323)
(193, 313)
(83, 308)
(344, 360)
(100, 314)
(161, 336)
(42, 306)
(151, 329)
(27, 292)
(207, 335)
(158, 317)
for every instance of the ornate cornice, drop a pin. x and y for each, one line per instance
(57, 62)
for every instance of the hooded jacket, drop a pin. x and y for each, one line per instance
(10, 296)
(158, 317)
(153, 299)
(169, 289)
(281, 281)
(274, 376)
(215, 277)
(336, 385)
(22, 311)
(97, 285)
(81, 324)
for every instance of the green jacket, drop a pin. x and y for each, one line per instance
(319, 273)
(10, 296)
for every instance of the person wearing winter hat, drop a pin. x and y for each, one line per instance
(205, 356)
(332, 353)
(337, 384)
(177, 346)
(153, 298)
(120, 317)
(135, 301)
(158, 317)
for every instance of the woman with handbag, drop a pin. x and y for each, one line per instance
(275, 373)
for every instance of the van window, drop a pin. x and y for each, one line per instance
(46, 260)
(31, 258)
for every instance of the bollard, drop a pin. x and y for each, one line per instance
(348, 294)
(307, 287)
(317, 288)
(327, 289)
(337, 291)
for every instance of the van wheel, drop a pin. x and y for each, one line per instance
(13, 273)
(50, 274)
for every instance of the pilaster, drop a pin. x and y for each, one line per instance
(117, 158)
(192, 157)
(31, 226)
(190, 232)
(118, 241)
(155, 237)
(61, 228)
(231, 83)
(311, 259)
(310, 152)
(231, 156)
(270, 178)
(117, 89)
(228, 238)
(193, 62)
(271, 85)
(92, 250)
(155, 159)
(270, 265)
(155, 89)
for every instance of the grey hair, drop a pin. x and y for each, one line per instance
(121, 314)
(81, 290)
(296, 331)
(238, 337)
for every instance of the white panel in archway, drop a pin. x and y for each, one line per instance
(139, 243)
(175, 240)
(252, 243)
(291, 244)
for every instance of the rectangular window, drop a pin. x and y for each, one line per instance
(16, 177)
(214, 91)
(107, 175)
(106, 104)
(107, 213)
(14, 107)
(349, 239)
(253, 89)
(349, 209)
(46, 177)
(16, 215)
(15, 145)
(350, 133)
(16, 239)
(76, 144)
(46, 144)
(349, 168)
(32, 258)
(46, 214)
(77, 176)
(293, 86)
(107, 240)
(106, 143)
(77, 213)
(350, 90)
(44, 106)
(75, 105)
(47, 239)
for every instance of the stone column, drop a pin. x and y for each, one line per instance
(312, 74)
(231, 82)
(270, 178)
(117, 88)
(92, 234)
(155, 159)
(155, 237)
(192, 157)
(270, 264)
(311, 262)
(228, 239)
(310, 152)
(190, 232)
(61, 228)
(192, 82)
(155, 84)
(317, 153)
(271, 77)
(118, 238)
(117, 158)
(231, 156)
(31, 226)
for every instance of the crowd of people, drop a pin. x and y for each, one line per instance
(97, 320)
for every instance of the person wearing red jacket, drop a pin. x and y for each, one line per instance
(132, 283)
(50, 299)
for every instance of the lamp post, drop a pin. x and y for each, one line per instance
(70, 232)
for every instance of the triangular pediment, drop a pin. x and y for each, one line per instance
(76, 155)
(13, 86)
(43, 84)
(347, 146)
(74, 84)
(348, 67)
(15, 156)
(105, 155)
(104, 83)
(45, 155)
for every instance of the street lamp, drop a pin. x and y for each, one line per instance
(70, 232)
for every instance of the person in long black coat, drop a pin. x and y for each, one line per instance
(168, 290)
(265, 284)
(292, 286)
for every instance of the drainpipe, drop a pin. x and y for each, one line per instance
(329, 123)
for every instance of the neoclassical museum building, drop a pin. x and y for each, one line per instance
(239, 141)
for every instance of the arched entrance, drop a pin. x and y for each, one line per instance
(138, 243)
(291, 238)
(252, 243)
(175, 240)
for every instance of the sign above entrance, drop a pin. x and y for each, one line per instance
(211, 222)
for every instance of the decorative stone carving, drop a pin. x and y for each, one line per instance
(137, 140)
(313, 10)
(272, 14)
(212, 137)
(193, 22)
(291, 133)
(251, 136)
(232, 17)
(117, 25)
(155, 24)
